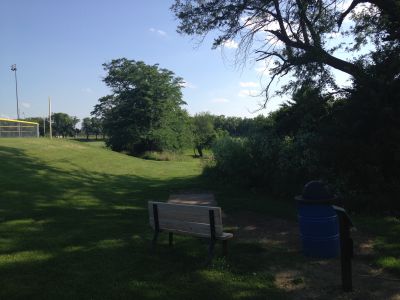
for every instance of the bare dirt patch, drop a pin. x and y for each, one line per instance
(315, 279)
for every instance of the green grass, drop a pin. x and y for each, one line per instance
(387, 241)
(74, 225)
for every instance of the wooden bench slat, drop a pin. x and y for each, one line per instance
(186, 213)
(224, 236)
(193, 220)
(195, 228)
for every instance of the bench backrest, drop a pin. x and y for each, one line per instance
(186, 219)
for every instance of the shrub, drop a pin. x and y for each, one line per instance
(163, 156)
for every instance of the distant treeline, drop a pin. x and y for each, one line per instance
(62, 125)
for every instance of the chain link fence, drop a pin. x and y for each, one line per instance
(18, 128)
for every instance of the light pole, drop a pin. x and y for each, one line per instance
(14, 68)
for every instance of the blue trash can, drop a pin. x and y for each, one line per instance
(319, 227)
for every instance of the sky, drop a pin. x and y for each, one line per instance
(59, 48)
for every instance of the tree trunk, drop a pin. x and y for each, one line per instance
(200, 150)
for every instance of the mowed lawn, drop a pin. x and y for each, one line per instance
(74, 225)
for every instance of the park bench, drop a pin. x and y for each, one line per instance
(193, 220)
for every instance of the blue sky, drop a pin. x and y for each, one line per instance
(59, 48)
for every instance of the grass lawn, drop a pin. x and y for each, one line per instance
(74, 225)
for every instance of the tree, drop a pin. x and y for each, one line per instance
(40, 121)
(97, 126)
(87, 127)
(144, 112)
(63, 124)
(296, 34)
(203, 131)
(350, 136)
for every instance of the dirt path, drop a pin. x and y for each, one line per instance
(315, 279)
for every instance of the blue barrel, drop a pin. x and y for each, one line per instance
(319, 230)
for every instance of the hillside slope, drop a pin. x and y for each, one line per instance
(75, 173)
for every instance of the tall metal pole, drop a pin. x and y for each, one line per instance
(14, 68)
(50, 129)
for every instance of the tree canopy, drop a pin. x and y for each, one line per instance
(144, 112)
(64, 124)
(203, 131)
(295, 36)
(92, 126)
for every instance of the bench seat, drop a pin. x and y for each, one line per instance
(193, 220)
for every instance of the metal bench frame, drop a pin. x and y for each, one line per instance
(212, 239)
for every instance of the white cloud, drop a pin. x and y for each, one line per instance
(343, 5)
(25, 104)
(262, 66)
(230, 44)
(219, 100)
(189, 85)
(5, 116)
(258, 24)
(248, 93)
(87, 90)
(248, 84)
(158, 31)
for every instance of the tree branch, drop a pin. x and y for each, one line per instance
(353, 4)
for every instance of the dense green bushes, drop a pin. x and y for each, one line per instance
(352, 143)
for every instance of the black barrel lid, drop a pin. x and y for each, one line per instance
(316, 192)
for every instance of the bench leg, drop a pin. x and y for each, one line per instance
(171, 239)
(211, 251)
(225, 248)
(154, 243)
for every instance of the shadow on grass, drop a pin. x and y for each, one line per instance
(78, 234)
(387, 242)
(90, 140)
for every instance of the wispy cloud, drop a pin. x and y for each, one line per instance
(219, 100)
(248, 93)
(189, 85)
(87, 90)
(255, 23)
(230, 44)
(248, 84)
(158, 31)
(25, 104)
(262, 66)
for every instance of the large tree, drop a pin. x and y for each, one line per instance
(64, 124)
(295, 36)
(144, 112)
(203, 131)
(97, 126)
(87, 127)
